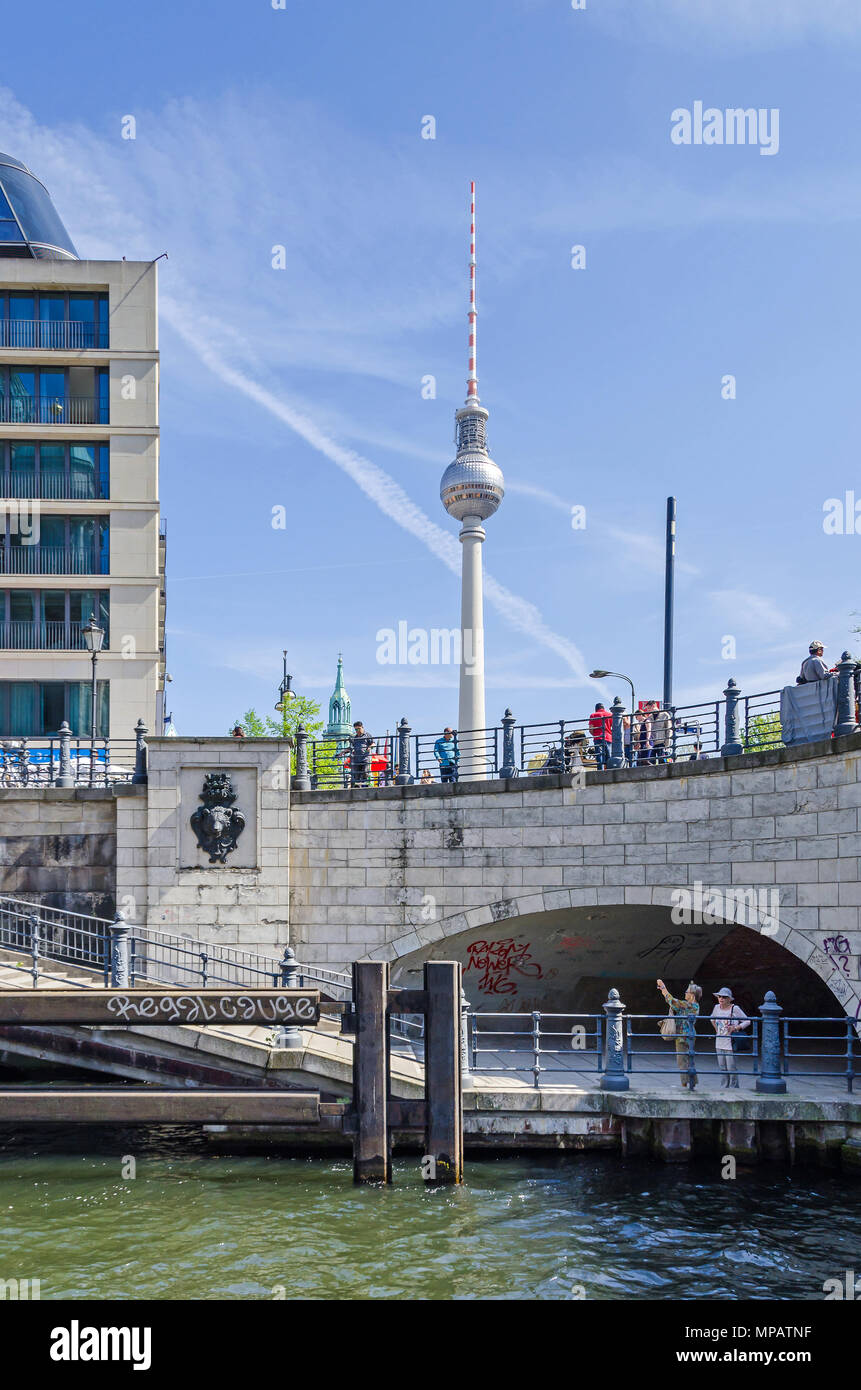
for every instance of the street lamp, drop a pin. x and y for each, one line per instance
(597, 675)
(94, 636)
(285, 694)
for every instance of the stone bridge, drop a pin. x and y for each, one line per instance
(550, 893)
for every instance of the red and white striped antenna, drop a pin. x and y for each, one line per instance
(472, 378)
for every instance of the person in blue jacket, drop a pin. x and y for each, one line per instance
(446, 752)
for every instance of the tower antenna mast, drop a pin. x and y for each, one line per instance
(472, 375)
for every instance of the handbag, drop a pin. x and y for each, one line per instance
(741, 1042)
(667, 1027)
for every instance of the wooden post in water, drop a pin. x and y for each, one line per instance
(371, 1148)
(444, 1094)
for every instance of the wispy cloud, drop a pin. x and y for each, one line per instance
(744, 611)
(752, 23)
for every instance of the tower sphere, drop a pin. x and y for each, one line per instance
(473, 484)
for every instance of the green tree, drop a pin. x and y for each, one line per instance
(763, 731)
(300, 710)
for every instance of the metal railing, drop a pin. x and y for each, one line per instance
(53, 410)
(53, 559)
(535, 750)
(89, 943)
(21, 635)
(55, 487)
(35, 762)
(67, 335)
(558, 1044)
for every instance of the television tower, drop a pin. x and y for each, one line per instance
(471, 490)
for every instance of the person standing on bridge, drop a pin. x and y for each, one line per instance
(447, 754)
(361, 744)
(601, 729)
(727, 1018)
(685, 1013)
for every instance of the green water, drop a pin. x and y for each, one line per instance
(196, 1225)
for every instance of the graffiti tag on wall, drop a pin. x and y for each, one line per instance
(498, 962)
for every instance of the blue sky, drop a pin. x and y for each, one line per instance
(301, 387)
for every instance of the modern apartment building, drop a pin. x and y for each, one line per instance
(81, 536)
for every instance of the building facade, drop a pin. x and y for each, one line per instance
(81, 534)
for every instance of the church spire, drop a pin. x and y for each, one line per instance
(339, 725)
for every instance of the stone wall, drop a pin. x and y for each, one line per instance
(59, 846)
(406, 872)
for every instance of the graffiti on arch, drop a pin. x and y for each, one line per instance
(499, 963)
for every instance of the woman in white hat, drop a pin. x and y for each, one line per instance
(727, 1018)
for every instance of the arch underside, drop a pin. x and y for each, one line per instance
(567, 960)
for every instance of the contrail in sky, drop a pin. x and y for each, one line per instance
(379, 487)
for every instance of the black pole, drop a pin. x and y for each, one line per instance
(668, 602)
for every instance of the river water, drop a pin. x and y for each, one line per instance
(193, 1224)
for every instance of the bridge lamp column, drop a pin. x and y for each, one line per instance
(94, 636)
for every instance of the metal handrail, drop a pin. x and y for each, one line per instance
(53, 410)
(55, 487)
(554, 746)
(526, 1044)
(27, 635)
(26, 762)
(54, 559)
(52, 334)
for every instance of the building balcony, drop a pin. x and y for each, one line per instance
(85, 487)
(53, 410)
(22, 636)
(53, 559)
(52, 335)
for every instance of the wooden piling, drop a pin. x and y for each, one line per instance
(444, 1095)
(371, 1145)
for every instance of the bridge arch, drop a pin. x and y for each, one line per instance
(557, 951)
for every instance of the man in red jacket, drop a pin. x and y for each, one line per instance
(601, 729)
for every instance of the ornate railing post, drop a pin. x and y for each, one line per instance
(614, 1078)
(403, 778)
(120, 953)
(65, 778)
(770, 1080)
(846, 722)
(617, 753)
(302, 780)
(289, 1035)
(141, 765)
(34, 923)
(732, 745)
(508, 768)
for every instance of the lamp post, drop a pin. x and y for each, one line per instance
(597, 675)
(94, 636)
(285, 693)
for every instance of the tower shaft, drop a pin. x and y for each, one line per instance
(471, 707)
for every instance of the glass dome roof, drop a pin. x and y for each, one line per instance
(29, 223)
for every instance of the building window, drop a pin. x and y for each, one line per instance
(56, 319)
(48, 470)
(51, 619)
(65, 396)
(36, 544)
(36, 709)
